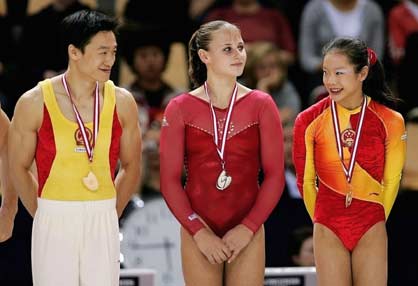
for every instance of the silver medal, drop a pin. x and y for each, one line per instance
(223, 181)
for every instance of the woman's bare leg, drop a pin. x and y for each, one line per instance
(369, 258)
(197, 270)
(248, 268)
(332, 259)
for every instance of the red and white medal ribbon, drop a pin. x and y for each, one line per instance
(348, 171)
(89, 147)
(223, 180)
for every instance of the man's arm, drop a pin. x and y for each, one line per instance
(22, 145)
(8, 207)
(128, 177)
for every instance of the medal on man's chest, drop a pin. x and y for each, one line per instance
(86, 137)
(91, 182)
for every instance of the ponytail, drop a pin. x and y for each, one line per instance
(197, 69)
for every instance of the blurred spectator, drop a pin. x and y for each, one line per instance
(407, 80)
(317, 94)
(266, 71)
(403, 20)
(323, 20)
(293, 12)
(301, 247)
(290, 212)
(402, 246)
(171, 16)
(15, 253)
(258, 23)
(10, 30)
(198, 9)
(146, 51)
(151, 236)
(43, 54)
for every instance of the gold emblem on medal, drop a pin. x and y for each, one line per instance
(347, 137)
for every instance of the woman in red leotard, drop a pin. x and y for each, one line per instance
(349, 150)
(223, 134)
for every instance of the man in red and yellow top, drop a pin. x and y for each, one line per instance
(77, 126)
(349, 151)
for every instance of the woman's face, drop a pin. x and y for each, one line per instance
(343, 84)
(226, 54)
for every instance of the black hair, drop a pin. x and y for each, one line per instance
(133, 36)
(356, 51)
(200, 40)
(78, 28)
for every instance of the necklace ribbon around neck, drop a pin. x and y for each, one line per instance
(89, 147)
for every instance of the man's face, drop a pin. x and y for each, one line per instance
(99, 56)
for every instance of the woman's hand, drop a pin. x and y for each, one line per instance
(237, 239)
(211, 246)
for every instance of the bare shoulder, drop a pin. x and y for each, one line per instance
(125, 105)
(29, 107)
(33, 96)
(123, 96)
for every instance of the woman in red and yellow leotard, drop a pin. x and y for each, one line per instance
(349, 151)
(223, 140)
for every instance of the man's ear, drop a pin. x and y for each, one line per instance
(73, 52)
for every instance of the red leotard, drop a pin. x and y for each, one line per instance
(377, 171)
(254, 141)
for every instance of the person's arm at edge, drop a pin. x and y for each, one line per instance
(8, 208)
(22, 146)
(303, 159)
(128, 178)
(395, 155)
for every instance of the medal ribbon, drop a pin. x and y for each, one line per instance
(348, 171)
(227, 121)
(89, 148)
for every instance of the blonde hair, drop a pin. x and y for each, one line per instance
(256, 52)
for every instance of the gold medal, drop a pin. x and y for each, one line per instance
(91, 182)
(349, 138)
(83, 134)
(348, 196)
(223, 181)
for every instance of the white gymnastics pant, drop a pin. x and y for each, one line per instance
(75, 243)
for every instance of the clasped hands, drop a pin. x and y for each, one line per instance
(218, 250)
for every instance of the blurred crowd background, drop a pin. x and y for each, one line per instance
(283, 39)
